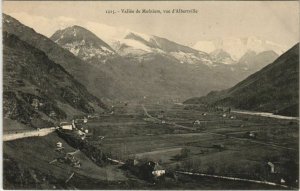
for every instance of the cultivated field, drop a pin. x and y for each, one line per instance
(215, 145)
(218, 145)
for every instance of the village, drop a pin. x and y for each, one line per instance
(144, 169)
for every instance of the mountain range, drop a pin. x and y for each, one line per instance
(149, 66)
(237, 47)
(137, 49)
(275, 88)
(137, 67)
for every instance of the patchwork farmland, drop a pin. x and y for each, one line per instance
(218, 144)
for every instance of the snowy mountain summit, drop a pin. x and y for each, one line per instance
(83, 43)
(138, 44)
(220, 56)
(237, 47)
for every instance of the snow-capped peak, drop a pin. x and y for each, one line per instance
(141, 35)
(237, 47)
(83, 43)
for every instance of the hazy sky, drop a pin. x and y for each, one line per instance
(275, 21)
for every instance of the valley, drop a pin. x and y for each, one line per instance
(145, 112)
(218, 145)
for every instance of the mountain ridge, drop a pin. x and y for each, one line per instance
(237, 47)
(37, 91)
(275, 88)
(88, 45)
(158, 67)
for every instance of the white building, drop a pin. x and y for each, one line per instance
(58, 144)
(66, 125)
(197, 122)
(158, 173)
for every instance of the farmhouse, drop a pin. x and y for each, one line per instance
(151, 170)
(66, 125)
(58, 144)
(197, 122)
(158, 170)
(145, 170)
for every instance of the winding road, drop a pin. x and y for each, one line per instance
(32, 133)
(264, 114)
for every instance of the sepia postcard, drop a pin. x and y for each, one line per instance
(150, 95)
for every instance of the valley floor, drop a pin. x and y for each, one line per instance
(178, 137)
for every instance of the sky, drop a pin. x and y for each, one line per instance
(277, 21)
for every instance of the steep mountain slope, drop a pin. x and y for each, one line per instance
(38, 92)
(87, 45)
(254, 62)
(275, 88)
(96, 81)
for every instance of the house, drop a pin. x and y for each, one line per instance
(82, 127)
(59, 145)
(197, 122)
(66, 126)
(147, 170)
(158, 171)
(251, 135)
(151, 170)
(80, 119)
